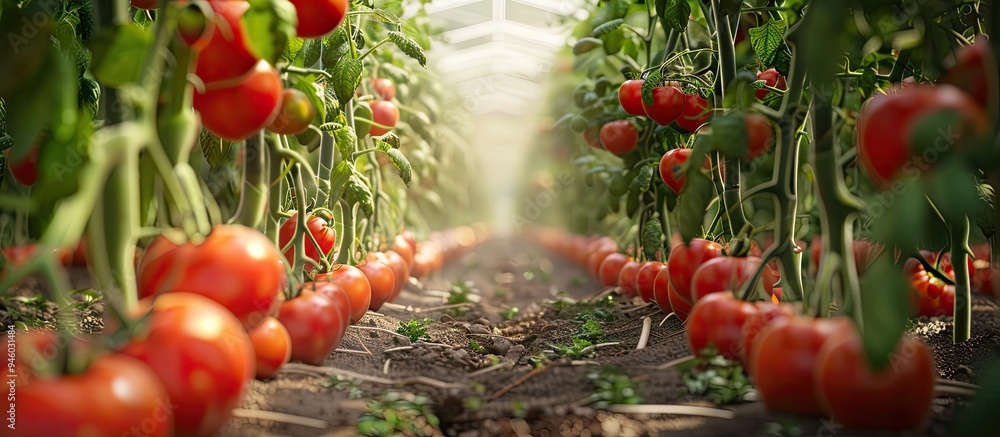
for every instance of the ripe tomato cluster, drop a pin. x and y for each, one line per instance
(212, 316)
(800, 364)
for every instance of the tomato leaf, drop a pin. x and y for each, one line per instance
(347, 142)
(335, 47)
(270, 25)
(620, 185)
(314, 92)
(651, 81)
(397, 159)
(608, 27)
(729, 135)
(346, 79)
(983, 215)
(632, 200)
(694, 199)
(674, 13)
(767, 40)
(214, 149)
(885, 307)
(409, 47)
(308, 51)
(119, 53)
(357, 191)
(643, 178)
(613, 41)
(584, 45)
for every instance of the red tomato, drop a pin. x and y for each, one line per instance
(381, 279)
(696, 113)
(784, 360)
(619, 137)
(384, 88)
(718, 320)
(318, 227)
(235, 266)
(227, 52)
(354, 282)
(970, 71)
(759, 136)
(315, 322)
(240, 108)
(410, 239)
(611, 268)
(895, 398)
(400, 271)
(144, 4)
(662, 291)
(680, 306)
(201, 354)
(722, 274)
(385, 113)
(645, 279)
(668, 104)
(317, 18)
(685, 260)
(423, 264)
(982, 274)
(887, 154)
(766, 313)
(115, 395)
(272, 345)
(773, 79)
(595, 259)
(671, 162)
(627, 278)
(296, 113)
(24, 170)
(630, 97)
(865, 253)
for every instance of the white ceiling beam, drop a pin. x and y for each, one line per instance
(438, 6)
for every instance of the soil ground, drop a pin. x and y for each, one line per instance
(498, 386)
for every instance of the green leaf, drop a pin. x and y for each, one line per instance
(613, 41)
(119, 53)
(674, 13)
(643, 178)
(214, 149)
(397, 159)
(335, 46)
(767, 40)
(609, 27)
(584, 45)
(270, 24)
(885, 307)
(346, 79)
(633, 199)
(984, 214)
(694, 199)
(651, 81)
(357, 191)
(409, 47)
(620, 185)
(347, 142)
(341, 172)
(729, 135)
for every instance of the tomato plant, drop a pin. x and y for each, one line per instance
(381, 278)
(646, 280)
(771, 78)
(320, 230)
(718, 320)
(630, 97)
(667, 105)
(628, 277)
(671, 162)
(354, 282)
(386, 114)
(316, 321)
(610, 269)
(696, 112)
(226, 54)
(766, 314)
(236, 111)
(685, 260)
(721, 274)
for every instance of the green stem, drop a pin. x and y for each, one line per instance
(324, 168)
(372, 49)
(347, 235)
(253, 197)
(306, 71)
(300, 226)
(963, 298)
(275, 190)
(896, 75)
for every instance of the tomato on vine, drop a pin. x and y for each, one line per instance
(354, 282)
(696, 112)
(759, 136)
(317, 18)
(144, 4)
(227, 53)
(384, 88)
(766, 314)
(969, 73)
(630, 97)
(238, 110)
(381, 278)
(627, 278)
(296, 113)
(610, 269)
(272, 346)
(722, 274)
(320, 230)
(672, 161)
(646, 279)
(685, 260)
(25, 169)
(316, 321)
(619, 136)
(668, 104)
(201, 354)
(718, 320)
(384, 113)
(771, 78)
